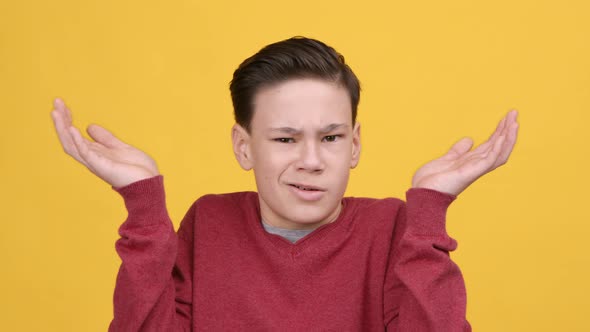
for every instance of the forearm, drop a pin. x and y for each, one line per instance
(428, 285)
(145, 297)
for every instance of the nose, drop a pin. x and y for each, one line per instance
(310, 158)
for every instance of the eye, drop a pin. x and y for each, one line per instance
(331, 138)
(284, 140)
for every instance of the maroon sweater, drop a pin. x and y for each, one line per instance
(383, 265)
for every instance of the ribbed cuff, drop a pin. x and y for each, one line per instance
(426, 211)
(145, 200)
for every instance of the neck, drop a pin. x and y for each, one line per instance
(274, 220)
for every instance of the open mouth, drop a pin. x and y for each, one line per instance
(305, 188)
(307, 193)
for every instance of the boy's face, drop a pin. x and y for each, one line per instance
(301, 146)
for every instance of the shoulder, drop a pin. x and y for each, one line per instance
(226, 198)
(366, 206)
(226, 203)
(374, 217)
(216, 210)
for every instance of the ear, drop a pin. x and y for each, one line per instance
(241, 144)
(356, 145)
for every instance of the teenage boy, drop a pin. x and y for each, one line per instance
(295, 255)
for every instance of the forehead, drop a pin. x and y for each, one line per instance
(301, 103)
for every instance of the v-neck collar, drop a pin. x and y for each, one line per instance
(282, 244)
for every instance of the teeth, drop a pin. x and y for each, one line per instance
(303, 188)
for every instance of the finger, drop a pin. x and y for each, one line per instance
(81, 144)
(499, 129)
(490, 149)
(68, 114)
(513, 115)
(57, 103)
(509, 132)
(488, 159)
(508, 145)
(458, 149)
(476, 165)
(510, 120)
(483, 147)
(104, 137)
(493, 154)
(64, 135)
(60, 107)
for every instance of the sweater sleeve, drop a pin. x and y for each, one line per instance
(424, 289)
(153, 288)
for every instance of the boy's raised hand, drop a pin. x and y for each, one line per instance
(458, 168)
(112, 160)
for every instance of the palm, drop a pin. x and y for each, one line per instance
(114, 161)
(456, 170)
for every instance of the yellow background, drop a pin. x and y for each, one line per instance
(157, 74)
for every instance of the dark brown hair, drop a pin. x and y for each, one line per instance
(297, 57)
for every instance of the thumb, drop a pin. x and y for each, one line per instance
(104, 137)
(460, 148)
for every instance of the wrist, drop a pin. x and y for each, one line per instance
(446, 188)
(145, 201)
(427, 209)
(122, 180)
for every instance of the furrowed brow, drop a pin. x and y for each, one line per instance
(332, 127)
(286, 130)
(294, 131)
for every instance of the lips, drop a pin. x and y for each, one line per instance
(307, 192)
(306, 187)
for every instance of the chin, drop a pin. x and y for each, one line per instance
(297, 212)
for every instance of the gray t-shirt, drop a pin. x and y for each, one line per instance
(290, 234)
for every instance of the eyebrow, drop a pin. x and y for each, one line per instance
(295, 131)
